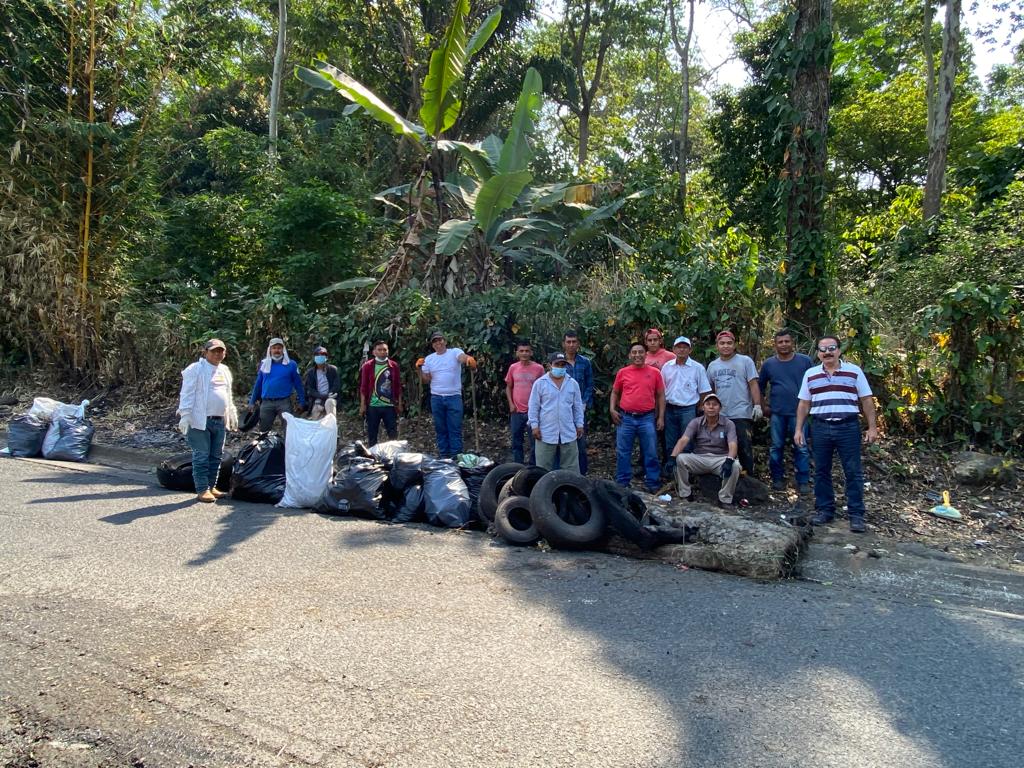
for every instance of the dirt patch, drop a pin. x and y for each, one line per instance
(902, 476)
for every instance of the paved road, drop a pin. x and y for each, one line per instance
(245, 635)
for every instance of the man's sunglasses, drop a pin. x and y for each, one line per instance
(829, 348)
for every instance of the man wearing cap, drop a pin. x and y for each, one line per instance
(555, 415)
(713, 437)
(206, 410)
(320, 382)
(578, 367)
(519, 382)
(686, 383)
(442, 370)
(654, 343)
(780, 380)
(835, 393)
(276, 379)
(734, 378)
(637, 408)
(380, 393)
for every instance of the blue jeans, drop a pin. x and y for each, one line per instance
(631, 429)
(447, 413)
(517, 425)
(676, 419)
(844, 439)
(783, 428)
(207, 448)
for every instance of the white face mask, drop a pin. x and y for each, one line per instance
(381, 359)
(277, 358)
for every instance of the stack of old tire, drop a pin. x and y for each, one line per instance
(526, 504)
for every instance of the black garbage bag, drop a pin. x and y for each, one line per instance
(355, 450)
(74, 439)
(175, 473)
(405, 471)
(473, 477)
(385, 452)
(445, 495)
(25, 435)
(391, 501)
(258, 474)
(355, 490)
(412, 509)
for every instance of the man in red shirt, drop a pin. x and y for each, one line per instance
(654, 343)
(638, 410)
(518, 385)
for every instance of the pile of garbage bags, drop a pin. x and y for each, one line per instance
(51, 429)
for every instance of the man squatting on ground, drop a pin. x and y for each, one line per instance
(442, 370)
(276, 379)
(734, 379)
(578, 368)
(555, 413)
(207, 410)
(380, 393)
(834, 393)
(637, 409)
(715, 446)
(686, 384)
(519, 382)
(780, 379)
(320, 382)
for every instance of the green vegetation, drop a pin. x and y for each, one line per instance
(502, 173)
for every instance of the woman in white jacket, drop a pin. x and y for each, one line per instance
(207, 410)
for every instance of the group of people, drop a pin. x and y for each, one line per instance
(688, 420)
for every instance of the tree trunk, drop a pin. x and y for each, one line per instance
(275, 86)
(807, 258)
(683, 52)
(942, 98)
(584, 138)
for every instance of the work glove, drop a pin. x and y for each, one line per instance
(471, 361)
(727, 468)
(183, 425)
(420, 363)
(758, 413)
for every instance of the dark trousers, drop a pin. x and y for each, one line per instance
(746, 446)
(269, 411)
(828, 439)
(376, 414)
(517, 425)
(676, 419)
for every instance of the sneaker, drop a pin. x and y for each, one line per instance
(206, 497)
(218, 494)
(822, 518)
(725, 505)
(857, 525)
(804, 489)
(778, 485)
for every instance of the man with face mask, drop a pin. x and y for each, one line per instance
(321, 382)
(276, 379)
(380, 393)
(555, 415)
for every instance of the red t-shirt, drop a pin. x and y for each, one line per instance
(522, 378)
(659, 358)
(637, 387)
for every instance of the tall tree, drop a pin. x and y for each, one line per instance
(683, 52)
(939, 91)
(275, 85)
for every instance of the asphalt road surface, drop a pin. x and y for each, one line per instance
(144, 629)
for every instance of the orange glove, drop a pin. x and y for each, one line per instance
(471, 361)
(420, 363)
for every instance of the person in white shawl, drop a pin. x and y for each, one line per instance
(207, 410)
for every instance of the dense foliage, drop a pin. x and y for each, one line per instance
(510, 172)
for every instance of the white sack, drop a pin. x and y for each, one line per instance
(309, 448)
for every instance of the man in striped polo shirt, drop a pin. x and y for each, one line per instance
(834, 393)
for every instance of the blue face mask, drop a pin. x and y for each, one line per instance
(319, 359)
(557, 372)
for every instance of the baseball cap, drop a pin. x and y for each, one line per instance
(682, 340)
(320, 351)
(556, 357)
(274, 341)
(724, 335)
(214, 344)
(436, 335)
(649, 331)
(709, 395)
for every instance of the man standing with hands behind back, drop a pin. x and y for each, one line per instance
(578, 367)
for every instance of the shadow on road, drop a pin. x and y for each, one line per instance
(241, 522)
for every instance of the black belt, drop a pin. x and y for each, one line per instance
(275, 399)
(216, 418)
(673, 405)
(638, 415)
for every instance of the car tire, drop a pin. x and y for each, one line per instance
(491, 486)
(525, 479)
(514, 521)
(564, 512)
(624, 511)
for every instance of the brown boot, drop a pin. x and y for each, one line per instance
(206, 497)
(217, 494)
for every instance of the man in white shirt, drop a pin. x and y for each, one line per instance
(686, 383)
(207, 411)
(442, 370)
